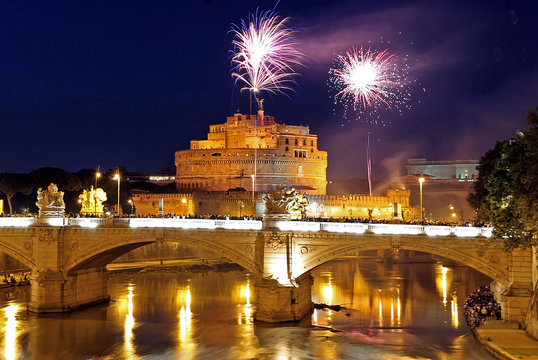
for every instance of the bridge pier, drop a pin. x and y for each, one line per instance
(54, 291)
(515, 298)
(281, 303)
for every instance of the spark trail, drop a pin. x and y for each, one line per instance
(265, 53)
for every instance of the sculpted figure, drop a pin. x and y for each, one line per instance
(282, 201)
(50, 201)
(92, 201)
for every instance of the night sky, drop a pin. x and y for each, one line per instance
(127, 83)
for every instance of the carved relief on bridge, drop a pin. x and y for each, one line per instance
(275, 240)
(47, 236)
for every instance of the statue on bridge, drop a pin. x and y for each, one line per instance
(285, 202)
(50, 201)
(92, 201)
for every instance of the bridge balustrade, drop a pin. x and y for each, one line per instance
(307, 226)
(196, 223)
(16, 221)
(355, 228)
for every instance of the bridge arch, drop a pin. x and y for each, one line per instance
(98, 256)
(493, 270)
(27, 261)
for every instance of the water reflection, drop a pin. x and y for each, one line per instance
(443, 281)
(186, 343)
(10, 332)
(249, 345)
(128, 346)
(328, 293)
(393, 311)
(454, 311)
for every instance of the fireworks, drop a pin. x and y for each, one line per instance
(366, 76)
(265, 53)
(368, 81)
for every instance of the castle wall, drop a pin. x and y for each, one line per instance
(242, 203)
(178, 204)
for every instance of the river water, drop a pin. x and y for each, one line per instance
(394, 311)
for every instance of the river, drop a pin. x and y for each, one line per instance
(394, 311)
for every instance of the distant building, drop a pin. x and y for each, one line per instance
(285, 155)
(456, 169)
(158, 178)
(445, 189)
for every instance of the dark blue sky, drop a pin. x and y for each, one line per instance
(130, 82)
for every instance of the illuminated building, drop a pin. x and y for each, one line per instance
(285, 155)
(458, 169)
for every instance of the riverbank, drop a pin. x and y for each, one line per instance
(506, 341)
(184, 265)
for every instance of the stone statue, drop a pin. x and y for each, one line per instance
(92, 201)
(50, 201)
(297, 206)
(260, 103)
(282, 201)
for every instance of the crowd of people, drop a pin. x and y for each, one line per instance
(481, 306)
(10, 280)
(318, 219)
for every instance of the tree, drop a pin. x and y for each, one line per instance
(506, 192)
(478, 199)
(66, 181)
(11, 184)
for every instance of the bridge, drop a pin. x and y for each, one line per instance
(68, 256)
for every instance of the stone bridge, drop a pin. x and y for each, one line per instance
(68, 257)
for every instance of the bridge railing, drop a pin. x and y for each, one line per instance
(310, 226)
(16, 221)
(196, 223)
(388, 229)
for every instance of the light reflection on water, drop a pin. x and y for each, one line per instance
(129, 325)
(393, 312)
(10, 332)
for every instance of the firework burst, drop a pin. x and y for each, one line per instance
(264, 53)
(365, 76)
(367, 81)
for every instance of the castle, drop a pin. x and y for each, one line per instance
(255, 153)
(226, 173)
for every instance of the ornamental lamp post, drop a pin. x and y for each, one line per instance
(117, 177)
(97, 176)
(421, 180)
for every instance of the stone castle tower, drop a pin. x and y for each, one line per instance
(284, 155)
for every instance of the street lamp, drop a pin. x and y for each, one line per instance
(421, 180)
(130, 201)
(253, 176)
(117, 177)
(97, 176)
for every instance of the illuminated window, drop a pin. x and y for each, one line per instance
(300, 154)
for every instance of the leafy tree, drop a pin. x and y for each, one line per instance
(66, 181)
(87, 178)
(11, 184)
(487, 164)
(507, 192)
